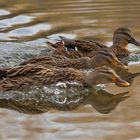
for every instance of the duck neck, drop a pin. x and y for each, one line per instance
(120, 47)
(120, 43)
(91, 79)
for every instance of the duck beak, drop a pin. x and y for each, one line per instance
(117, 63)
(120, 82)
(134, 41)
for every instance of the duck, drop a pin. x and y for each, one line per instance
(101, 58)
(22, 77)
(121, 38)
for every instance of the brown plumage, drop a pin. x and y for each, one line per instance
(61, 50)
(21, 77)
(121, 38)
(101, 58)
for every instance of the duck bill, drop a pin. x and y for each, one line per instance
(120, 82)
(134, 41)
(118, 64)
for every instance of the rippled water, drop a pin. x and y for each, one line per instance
(24, 26)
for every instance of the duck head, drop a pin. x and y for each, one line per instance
(123, 36)
(104, 75)
(107, 58)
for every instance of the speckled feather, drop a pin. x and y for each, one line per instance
(52, 61)
(121, 38)
(28, 75)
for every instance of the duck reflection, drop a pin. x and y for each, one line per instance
(104, 102)
(128, 76)
(42, 100)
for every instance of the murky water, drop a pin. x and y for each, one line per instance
(24, 26)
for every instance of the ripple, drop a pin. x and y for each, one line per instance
(4, 12)
(4, 36)
(20, 19)
(87, 19)
(29, 31)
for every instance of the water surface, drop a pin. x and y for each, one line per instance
(24, 26)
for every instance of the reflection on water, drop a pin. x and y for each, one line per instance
(42, 100)
(24, 26)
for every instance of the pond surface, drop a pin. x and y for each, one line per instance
(24, 27)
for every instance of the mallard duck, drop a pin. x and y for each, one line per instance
(21, 77)
(121, 38)
(101, 58)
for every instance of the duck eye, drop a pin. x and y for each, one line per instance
(128, 35)
(106, 54)
(110, 56)
(107, 72)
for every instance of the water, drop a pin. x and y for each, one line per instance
(24, 26)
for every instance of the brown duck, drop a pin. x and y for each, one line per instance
(121, 38)
(101, 58)
(21, 77)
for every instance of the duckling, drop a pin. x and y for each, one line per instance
(121, 38)
(101, 58)
(21, 77)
